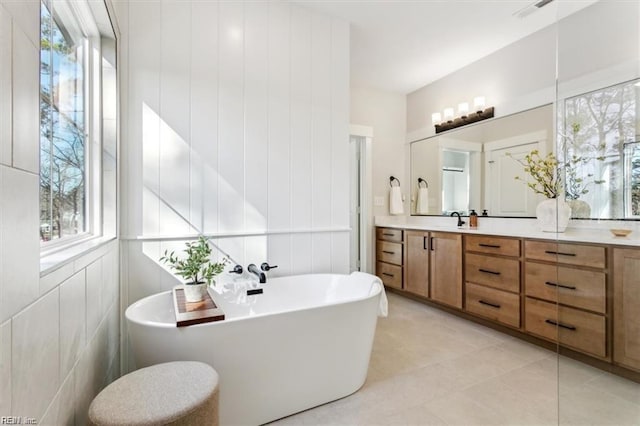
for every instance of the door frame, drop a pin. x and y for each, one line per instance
(366, 190)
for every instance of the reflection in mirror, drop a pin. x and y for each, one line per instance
(468, 168)
(600, 152)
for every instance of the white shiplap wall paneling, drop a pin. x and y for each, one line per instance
(175, 117)
(301, 253)
(279, 71)
(204, 116)
(321, 252)
(279, 253)
(301, 118)
(141, 175)
(231, 117)
(339, 127)
(256, 115)
(321, 120)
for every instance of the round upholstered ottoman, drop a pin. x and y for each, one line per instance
(174, 393)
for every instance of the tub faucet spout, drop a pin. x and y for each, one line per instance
(253, 269)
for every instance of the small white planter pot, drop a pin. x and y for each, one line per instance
(195, 292)
(553, 215)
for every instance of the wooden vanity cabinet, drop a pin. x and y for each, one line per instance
(492, 277)
(626, 307)
(445, 250)
(566, 295)
(417, 262)
(389, 256)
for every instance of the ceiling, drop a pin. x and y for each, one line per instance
(402, 45)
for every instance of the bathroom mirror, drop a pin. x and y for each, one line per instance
(468, 168)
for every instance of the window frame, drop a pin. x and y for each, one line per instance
(92, 116)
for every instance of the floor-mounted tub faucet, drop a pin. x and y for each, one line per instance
(460, 221)
(253, 269)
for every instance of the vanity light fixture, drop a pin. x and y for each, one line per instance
(449, 122)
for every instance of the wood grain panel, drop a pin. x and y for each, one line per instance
(496, 272)
(390, 275)
(493, 304)
(626, 307)
(574, 287)
(389, 252)
(493, 245)
(571, 254)
(570, 327)
(417, 262)
(389, 234)
(446, 268)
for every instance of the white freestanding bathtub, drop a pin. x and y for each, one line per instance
(305, 341)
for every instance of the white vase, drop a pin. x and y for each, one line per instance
(553, 215)
(195, 292)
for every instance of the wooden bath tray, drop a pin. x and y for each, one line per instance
(190, 313)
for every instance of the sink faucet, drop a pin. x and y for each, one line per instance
(460, 221)
(253, 269)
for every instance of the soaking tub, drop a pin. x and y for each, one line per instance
(305, 341)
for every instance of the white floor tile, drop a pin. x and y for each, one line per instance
(431, 368)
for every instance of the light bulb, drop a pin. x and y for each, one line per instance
(448, 114)
(463, 109)
(436, 118)
(479, 103)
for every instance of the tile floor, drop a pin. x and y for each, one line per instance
(432, 368)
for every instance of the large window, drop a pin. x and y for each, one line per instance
(600, 151)
(78, 123)
(63, 130)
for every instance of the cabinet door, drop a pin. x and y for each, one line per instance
(626, 315)
(446, 268)
(417, 262)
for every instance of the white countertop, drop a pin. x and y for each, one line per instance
(583, 231)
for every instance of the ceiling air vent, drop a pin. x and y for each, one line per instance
(529, 9)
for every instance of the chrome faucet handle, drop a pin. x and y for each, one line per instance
(265, 266)
(237, 270)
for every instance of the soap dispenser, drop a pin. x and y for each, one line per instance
(473, 219)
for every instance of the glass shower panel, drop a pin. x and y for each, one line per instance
(597, 274)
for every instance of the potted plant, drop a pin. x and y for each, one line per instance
(197, 269)
(553, 213)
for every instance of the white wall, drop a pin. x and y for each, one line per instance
(385, 112)
(595, 47)
(59, 332)
(236, 123)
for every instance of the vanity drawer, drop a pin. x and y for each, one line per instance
(570, 327)
(390, 275)
(389, 234)
(574, 287)
(493, 304)
(571, 254)
(389, 252)
(496, 272)
(493, 245)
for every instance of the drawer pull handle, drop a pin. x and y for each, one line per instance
(568, 287)
(493, 305)
(388, 235)
(387, 274)
(488, 245)
(559, 324)
(559, 253)
(486, 271)
(388, 252)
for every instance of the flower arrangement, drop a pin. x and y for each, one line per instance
(544, 171)
(197, 267)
